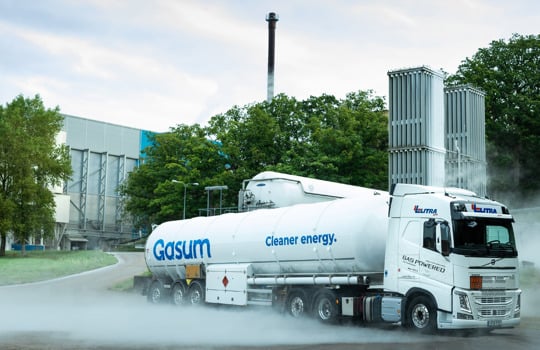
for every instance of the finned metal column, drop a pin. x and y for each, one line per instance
(102, 189)
(120, 177)
(416, 126)
(465, 138)
(85, 154)
(271, 18)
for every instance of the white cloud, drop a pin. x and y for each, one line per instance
(100, 82)
(155, 64)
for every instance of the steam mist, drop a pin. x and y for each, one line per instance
(527, 227)
(80, 312)
(129, 321)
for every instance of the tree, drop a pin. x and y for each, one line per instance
(348, 140)
(507, 71)
(256, 136)
(322, 137)
(30, 163)
(186, 155)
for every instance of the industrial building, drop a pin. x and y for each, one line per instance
(89, 211)
(102, 154)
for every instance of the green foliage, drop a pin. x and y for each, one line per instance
(321, 137)
(30, 163)
(508, 72)
(186, 155)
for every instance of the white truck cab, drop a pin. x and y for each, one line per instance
(453, 256)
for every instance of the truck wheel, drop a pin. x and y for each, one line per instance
(156, 293)
(196, 293)
(297, 304)
(421, 314)
(326, 309)
(179, 293)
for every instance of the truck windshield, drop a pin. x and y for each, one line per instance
(484, 237)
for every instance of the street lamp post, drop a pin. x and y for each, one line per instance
(185, 192)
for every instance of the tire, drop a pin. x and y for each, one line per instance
(195, 295)
(421, 315)
(325, 308)
(178, 296)
(156, 293)
(297, 304)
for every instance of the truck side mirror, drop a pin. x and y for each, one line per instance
(430, 235)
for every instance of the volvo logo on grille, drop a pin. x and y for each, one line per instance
(492, 262)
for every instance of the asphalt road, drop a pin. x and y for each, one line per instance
(79, 312)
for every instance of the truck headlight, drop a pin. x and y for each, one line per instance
(464, 304)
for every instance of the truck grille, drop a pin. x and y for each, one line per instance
(489, 306)
(493, 300)
(496, 313)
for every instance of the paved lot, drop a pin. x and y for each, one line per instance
(80, 312)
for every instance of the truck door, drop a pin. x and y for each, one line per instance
(433, 261)
(409, 249)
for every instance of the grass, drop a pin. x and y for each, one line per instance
(40, 266)
(123, 286)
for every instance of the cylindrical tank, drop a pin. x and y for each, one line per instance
(341, 236)
(276, 190)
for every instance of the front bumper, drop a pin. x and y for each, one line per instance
(486, 309)
(446, 321)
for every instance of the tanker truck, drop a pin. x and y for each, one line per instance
(424, 257)
(271, 189)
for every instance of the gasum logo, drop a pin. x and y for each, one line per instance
(178, 250)
(418, 210)
(478, 209)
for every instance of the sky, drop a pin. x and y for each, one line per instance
(155, 64)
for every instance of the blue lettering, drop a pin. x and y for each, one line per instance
(169, 250)
(477, 209)
(277, 241)
(186, 254)
(176, 250)
(201, 243)
(419, 210)
(158, 254)
(326, 239)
